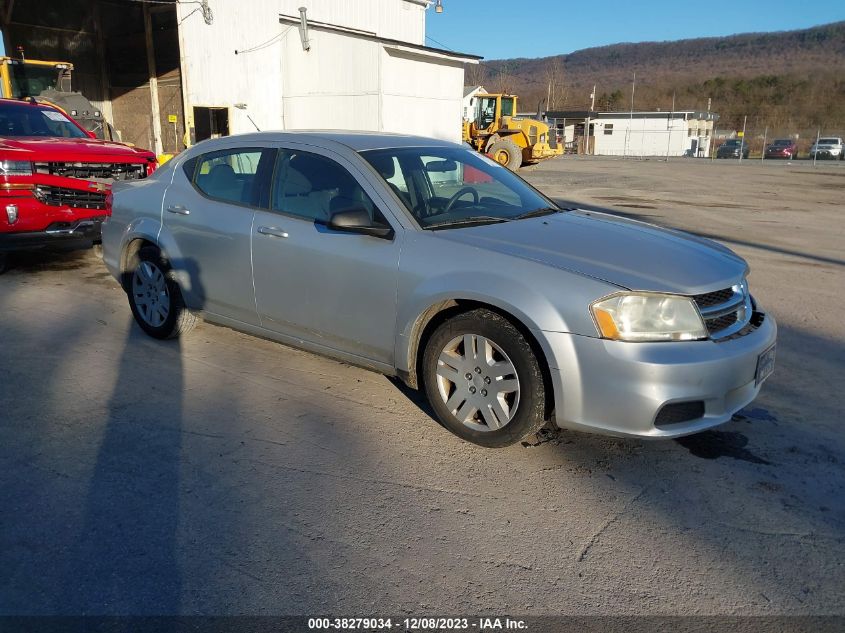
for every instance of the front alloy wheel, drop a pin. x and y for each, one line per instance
(483, 379)
(478, 382)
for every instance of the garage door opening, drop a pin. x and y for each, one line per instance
(210, 123)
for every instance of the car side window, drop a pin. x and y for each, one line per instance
(239, 176)
(314, 187)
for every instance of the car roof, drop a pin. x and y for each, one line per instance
(358, 141)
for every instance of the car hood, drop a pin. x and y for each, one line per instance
(71, 150)
(626, 253)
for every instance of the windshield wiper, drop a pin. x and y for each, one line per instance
(472, 220)
(536, 213)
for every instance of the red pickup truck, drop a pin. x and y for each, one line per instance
(54, 178)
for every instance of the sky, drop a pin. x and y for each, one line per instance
(499, 29)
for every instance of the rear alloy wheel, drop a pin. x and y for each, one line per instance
(483, 380)
(155, 297)
(507, 153)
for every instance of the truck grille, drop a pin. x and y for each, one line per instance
(63, 197)
(114, 171)
(725, 311)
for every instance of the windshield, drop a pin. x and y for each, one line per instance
(731, 143)
(30, 80)
(782, 141)
(828, 141)
(32, 120)
(444, 187)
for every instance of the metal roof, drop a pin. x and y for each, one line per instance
(369, 35)
(621, 114)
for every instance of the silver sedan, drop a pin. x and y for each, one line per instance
(425, 260)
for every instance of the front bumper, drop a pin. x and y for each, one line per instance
(618, 388)
(65, 235)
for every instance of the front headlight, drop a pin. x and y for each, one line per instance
(15, 168)
(642, 316)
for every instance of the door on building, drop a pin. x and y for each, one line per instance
(333, 289)
(209, 215)
(210, 123)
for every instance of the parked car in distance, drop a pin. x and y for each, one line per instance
(782, 148)
(828, 147)
(54, 178)
(425, 260)
(733, 148)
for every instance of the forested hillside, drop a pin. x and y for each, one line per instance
(791, 81)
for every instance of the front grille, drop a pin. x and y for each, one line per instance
(678, 412)
(713, 298)
(725, 311)
(63, 197)
(721, 323)
(113, 171)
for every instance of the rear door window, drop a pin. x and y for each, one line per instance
(238, 176)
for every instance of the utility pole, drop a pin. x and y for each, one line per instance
(593, 99)
(765, 136)
(631, 122)
(816, 153)
(671, 118)
(742, 141)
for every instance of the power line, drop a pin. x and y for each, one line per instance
(428, 37)
(266, 44)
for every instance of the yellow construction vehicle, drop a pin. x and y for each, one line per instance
(510, 140)
(29, 78)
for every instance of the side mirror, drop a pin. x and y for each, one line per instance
(358, 221)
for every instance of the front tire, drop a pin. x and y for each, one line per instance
(507, 153)
(155, 298)
(483, 379)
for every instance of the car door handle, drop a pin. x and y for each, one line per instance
(272, 231)
(178, 209)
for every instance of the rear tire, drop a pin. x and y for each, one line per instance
(507, 153)
(3, 262)
(483, 379)
(154, 296)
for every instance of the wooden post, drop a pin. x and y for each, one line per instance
(151, 66)
(105, 88)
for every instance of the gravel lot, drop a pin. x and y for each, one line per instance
(229, 475)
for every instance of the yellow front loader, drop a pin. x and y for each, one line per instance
(510, 140)
(29, 78)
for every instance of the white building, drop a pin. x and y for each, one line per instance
(682, 133)
(470, 93)
(340, 65)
